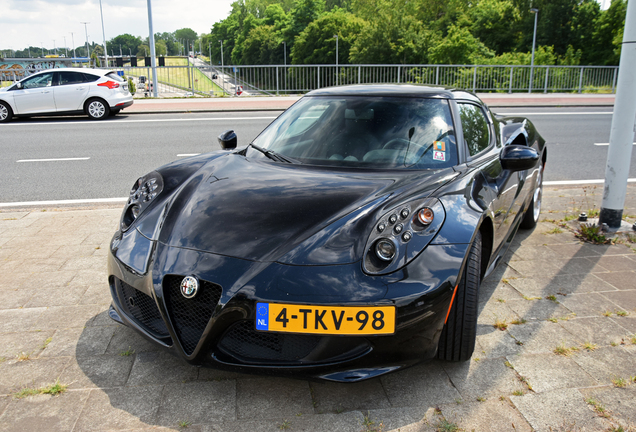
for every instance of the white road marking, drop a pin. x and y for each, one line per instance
(604, 144)
(113, 121)
(54, 160)
(579, 182)
(188, 154)
(63, 202)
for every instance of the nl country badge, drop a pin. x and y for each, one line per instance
(439, 146)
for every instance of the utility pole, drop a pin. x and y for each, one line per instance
(153, 60)
(88, 51)
(73, 42)
(535, 11)
(65, 47)
(54, 48)
(103, 34)
(619, 154)
(336, 37)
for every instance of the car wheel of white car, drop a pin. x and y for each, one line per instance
(97, 109)
(5, 112)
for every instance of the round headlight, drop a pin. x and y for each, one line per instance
(425, 216)
(385, 249)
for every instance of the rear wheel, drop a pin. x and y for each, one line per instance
(533, 211)
(457, 341)
(97, 109)
(5, 112)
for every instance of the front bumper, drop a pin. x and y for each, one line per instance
(218, 328)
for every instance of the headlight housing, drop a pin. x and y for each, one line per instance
(400, 234)
(143, 192)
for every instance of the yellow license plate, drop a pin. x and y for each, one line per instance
(335, 320)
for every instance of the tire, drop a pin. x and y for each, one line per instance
(457, 341)
(97, 109)
(6, 113)
(531, 216)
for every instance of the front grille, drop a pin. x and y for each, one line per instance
(190, 316)
(141, 308)
(242, 341)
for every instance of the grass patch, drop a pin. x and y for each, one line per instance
(621, 313)
(500, 324)
(553, 319)
(589, 346)
(184, 424)
(508, 364)
(370, 425)
(591, 233)
(445, 426)
(500, 300)
(127, 352)
(598, 407)
(531, 298)
(23, 356)
(286, 424)
(518, 321)
(619, 382)
(552, 298)
(46, 342)
(178, 76)
(565, 351)
(54, 389)
(607, 313)
(481, 399)
(555, 230)
(518, 393)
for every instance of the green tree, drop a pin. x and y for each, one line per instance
(128, 42)
(608, 35)
(186, 33)
(392, 35)
(262, 47)
(316, 44)
(303, 13)
(496, 24)
(459, 47)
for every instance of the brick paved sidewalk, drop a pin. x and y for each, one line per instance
(552, 294)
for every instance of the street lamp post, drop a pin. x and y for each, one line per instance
(285, 62)
(104, 34)
(535, 11)
(54, 48)
(65, 47)
(42, 49)
(153, 61)
(73, 42)
(88, 51)
(222, 76)
(336, 37)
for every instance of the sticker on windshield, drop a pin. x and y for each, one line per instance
(440, 156)
(439, 146)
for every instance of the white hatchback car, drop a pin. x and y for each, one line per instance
(95, 92)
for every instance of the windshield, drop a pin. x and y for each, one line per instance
(373, 132)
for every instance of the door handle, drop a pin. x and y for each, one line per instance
(46, 91)
(81, 88)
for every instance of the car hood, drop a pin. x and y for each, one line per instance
(296, 214)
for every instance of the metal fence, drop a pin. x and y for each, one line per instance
(279, 79)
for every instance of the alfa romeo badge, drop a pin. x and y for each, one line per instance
(189, 286)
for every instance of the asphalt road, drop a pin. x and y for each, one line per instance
(103, 159)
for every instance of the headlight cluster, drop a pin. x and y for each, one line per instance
(401, 234)
(144, 190)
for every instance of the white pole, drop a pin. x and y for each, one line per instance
(153, 61)
(73, 42)
(535, 11)
(88, 51)
(103, 34)
(619, 154)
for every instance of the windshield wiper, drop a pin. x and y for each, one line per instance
(273, 155)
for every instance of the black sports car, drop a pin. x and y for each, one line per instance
(346, 241)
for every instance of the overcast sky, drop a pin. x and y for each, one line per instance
(37, 22)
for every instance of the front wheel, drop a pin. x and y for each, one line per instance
(457, 341)
(5, 112)
(97, 109)
(533, 211)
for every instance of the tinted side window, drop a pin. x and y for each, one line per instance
(71, 78)
(43, 80)
(90, 77)
(115, 77)
(475, 125)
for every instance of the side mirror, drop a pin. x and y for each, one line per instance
(18, 86)
(518, 158)
(228, 140)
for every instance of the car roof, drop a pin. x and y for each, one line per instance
(100, 72)
(396, 90)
